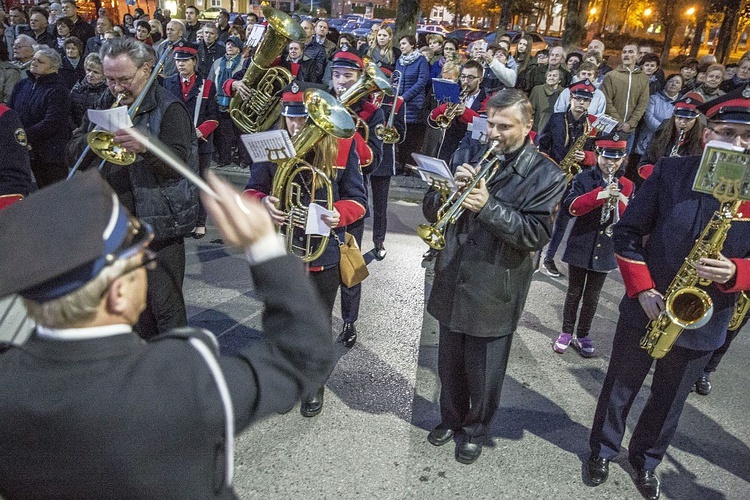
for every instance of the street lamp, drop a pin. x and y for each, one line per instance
(690, 11)
(593, 11)
(647, 12)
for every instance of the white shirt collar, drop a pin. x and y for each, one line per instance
(93, 332)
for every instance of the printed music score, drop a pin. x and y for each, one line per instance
(273, 145)
(435, 172)
(112, 119)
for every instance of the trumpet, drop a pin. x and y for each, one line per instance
(102, 143)
(452, 209)
(326, 117)
(388, 133)
(444, 120)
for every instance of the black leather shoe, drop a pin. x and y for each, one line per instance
(598, 469)
(703, 385)
(380, 251)
(467, 453)
(348, 335)
(312, 406)
(429, 255)
(648, 484)
(438, 436)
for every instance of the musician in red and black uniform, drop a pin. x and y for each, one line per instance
(380, 177)
(555, 140)
(199, 96)
(471, 80)
(15, 171)
(657, 232)
(685, 117)
(338, 159)
(589, 252)
(346, 69)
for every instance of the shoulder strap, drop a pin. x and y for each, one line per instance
(207, 346)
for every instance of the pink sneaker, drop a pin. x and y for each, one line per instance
(562, 342)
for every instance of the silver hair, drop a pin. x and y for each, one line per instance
(80, 306)
(177, 23)
(26, 39)
(92, 58)
(138, 52)
(51, 54)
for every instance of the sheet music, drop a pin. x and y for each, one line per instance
(605, 123)
(315, 224)
(434, 171)
(256, 35)
(112, 119)
(273, 145)
(478, 127)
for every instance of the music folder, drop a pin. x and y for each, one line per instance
(446, 90)
(434, 171)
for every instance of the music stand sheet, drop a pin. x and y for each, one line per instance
(273, 145)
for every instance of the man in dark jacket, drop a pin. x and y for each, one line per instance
(537, 75)
(43, 103)
(103, 25)
(483, 274)
(191, 24)
(176, 403)
(148, 187)
(209, 50)
(81, 29)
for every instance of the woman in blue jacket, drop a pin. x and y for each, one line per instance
(415, 76)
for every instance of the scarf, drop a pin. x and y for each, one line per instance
(227, 67)
(406, 60)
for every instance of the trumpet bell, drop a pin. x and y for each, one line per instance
(103, 144)
(689, 308)
(432, 236)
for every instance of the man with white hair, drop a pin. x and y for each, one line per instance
(23, 53)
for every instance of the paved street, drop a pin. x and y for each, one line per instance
(381, 400)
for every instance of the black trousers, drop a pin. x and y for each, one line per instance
(412, 143)
(586, 284)
(226, 138)
(351, 297)
(471, 371)
(380, 187)
(719, 353)
(204, 163)
(165, 304)
(673, 380)
(47, 173)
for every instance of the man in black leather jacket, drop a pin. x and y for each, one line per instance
(483, 275)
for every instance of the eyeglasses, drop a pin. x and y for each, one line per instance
(149, 262)
(470, 78)
(122, 82)
(729, 134)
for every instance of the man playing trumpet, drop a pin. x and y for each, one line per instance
(462, 113)
(482, 276)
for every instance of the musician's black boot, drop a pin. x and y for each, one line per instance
(348, 335)
(703, 384)
(312, 405)
(648, 484)
(598, 469)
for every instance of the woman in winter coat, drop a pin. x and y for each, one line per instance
(383, 53)
(415, 76)
(43, 103)
(88, 90)
(72, 69)
(660, 107)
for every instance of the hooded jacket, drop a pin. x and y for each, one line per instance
(627, 94)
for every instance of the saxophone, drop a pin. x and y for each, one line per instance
(569, 165)
(686, 305)
(740, 310)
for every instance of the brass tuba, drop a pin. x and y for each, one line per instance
(452, 209)
(263, 108)
(296, 181)
(688, 307)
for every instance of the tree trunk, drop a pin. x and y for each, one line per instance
(574, 30)
(406, 21)
(726, 32)
(669, 31)
(700, 28)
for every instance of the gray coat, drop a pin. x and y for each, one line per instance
(483, 275)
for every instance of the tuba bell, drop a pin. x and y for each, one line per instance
(263, 108)
(296, 181)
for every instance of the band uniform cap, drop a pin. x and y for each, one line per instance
(347, 60)
(612, 145)
(292, 98)
(185, 50)
(583, 89)
(687, 107)
(61, 237)
(234, 40)
(732, 107)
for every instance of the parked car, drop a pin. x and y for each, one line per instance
(210, 14)
(349, 27)
(473, 36)
(365, 28)
(459, 34)
(538, 41)
(336, 23)
(432, 28)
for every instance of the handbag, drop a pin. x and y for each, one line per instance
(352, 265)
